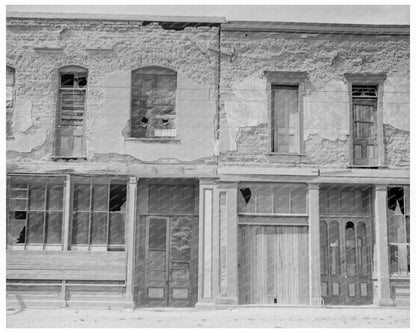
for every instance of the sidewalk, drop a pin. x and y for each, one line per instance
(277, 317)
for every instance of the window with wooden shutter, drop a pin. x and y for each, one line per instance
(364, 118)
(285, 119)
(71, 112)
(153, 113)
(10, 78)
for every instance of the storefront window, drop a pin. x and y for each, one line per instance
(399, 231)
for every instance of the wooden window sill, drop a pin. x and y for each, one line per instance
(368, 166)
(68, 158)
(174, 140)
(285, 154)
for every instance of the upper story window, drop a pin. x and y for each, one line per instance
(10, 79)
(286, 114)
(366, 125)
(153, 113)
(70, 141)
(364, 122)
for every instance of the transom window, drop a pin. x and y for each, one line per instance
(153, 113)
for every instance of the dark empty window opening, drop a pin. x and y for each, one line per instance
(395, 195)
(246, 193)
(118, 195)
(364, 91)
(153, 113)
(73, 80)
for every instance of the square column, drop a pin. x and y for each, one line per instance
(382, 296)
(228, 256)
(130, 235)
(314, 247)
(208, 257)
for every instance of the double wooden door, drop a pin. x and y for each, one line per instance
(170, 265)
(346, 261)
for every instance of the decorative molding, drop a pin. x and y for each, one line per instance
(367, 78)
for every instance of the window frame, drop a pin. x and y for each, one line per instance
(43, 245)
(285, 78)
(367, 79)
(91, 181)
(9, 109)
(70, 69)
(153, 138)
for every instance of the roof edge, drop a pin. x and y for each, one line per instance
(312, 27)
(115, 17)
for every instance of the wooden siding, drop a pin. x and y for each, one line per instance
(273, 265)
(66, 265)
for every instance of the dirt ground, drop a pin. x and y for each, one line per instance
(233, 317)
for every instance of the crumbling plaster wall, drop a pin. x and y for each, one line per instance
(244, 118)
(110, 50)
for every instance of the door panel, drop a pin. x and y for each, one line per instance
(273, 265)
(170, 265)
(346, 272)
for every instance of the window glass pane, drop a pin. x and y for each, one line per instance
(394, 263)
(264, 199)
(81, 197)
(363, 248)
(80, 223)
(347, 202)
(37, 198)
(323, 201)
(55, 197)
(35, 227)
(323, 235)
(118, 196)
(334, 201)
(298, 200)
(281, 199)
(99, 228)
(99, 197)
(407, 229)
(116, 228)
(406, 200)
(334, 248)
(181, 238)
(53, 228)
(350, 250)
(17, 232)
(157, 234)
(17, 204)
(188, 198)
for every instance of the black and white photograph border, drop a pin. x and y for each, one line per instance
(224, 165)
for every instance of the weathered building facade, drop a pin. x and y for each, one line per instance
(194, 161)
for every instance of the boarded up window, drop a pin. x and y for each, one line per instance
(364, 107)
(10, 78)
(153, 103)
(71, 113)
(35, 210)
(285, 119)
(99, 212)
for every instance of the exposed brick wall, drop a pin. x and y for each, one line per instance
(103, 47)
(326, 58)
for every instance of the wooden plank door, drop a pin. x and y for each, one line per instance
(170, 261)
(346, 261)
(70, 131)
(273, 265)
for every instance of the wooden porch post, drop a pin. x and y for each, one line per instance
(314, 247)
(383, 295)
(228, 269)
(130, 235)
(208, 237)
